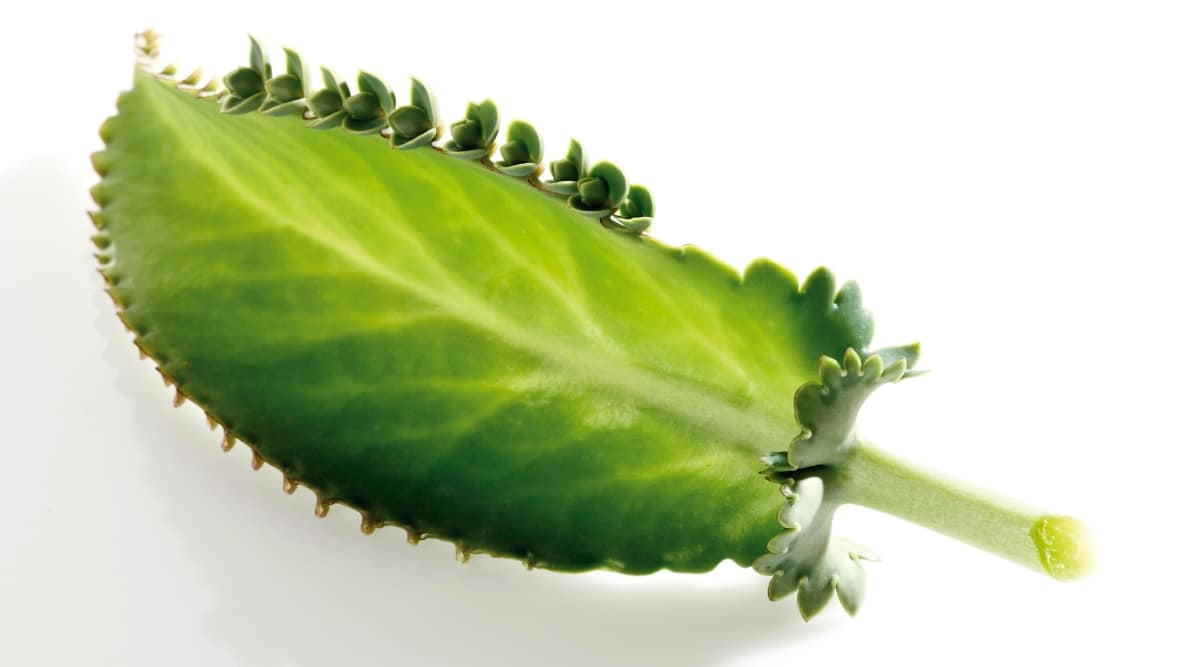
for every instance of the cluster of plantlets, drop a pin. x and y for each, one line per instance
(379, 329)
(598, 191)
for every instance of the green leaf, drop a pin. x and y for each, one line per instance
(564, 170)
(330, 121)
(285, 88)
(448, 349)
(618, 188)
(410, 121)
(488, 117)
(639, 203)
(423, 139)
(258, 59)
(244, 82)
(325, 102)
(519, 130)
(331, 80)
(295, 66)
(369, 83)
(566, 173)
(363, 106)
(239, 105)
(421, 97)
(577, 156)
(467, 134)
(273, 107)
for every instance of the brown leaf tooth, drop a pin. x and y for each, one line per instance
(97, 219)
(289, 485)
(462, 553)
(179, 397)
(322, 509)
(211, 420)
(227, 441)
(168, 381)
(414, 536)
(256, 461)
(368, 526)
(128, 326)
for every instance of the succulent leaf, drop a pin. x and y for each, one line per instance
(422, 98)
(384, 97)
(612, 386)
(651, 418)
(258, 59)
(295, 66)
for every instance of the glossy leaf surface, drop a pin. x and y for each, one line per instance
(451, 350)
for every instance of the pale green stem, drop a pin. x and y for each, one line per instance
(1055, 545)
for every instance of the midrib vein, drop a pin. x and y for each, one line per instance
(752, 427)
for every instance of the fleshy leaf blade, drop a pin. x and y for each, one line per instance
(592, 398)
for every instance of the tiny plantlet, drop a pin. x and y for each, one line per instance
(411, 316)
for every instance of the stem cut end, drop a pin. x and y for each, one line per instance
(1064, 546)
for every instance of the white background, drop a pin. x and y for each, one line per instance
(1014, 184)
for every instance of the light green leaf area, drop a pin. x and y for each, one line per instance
(452, 350)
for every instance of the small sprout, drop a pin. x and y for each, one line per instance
(328, 104)
(473, 136)
(636, 212)
(285, 93)
(565, 173)
(522, 153)
(600, 192)
(247, 85)
(146, 44)
(417, 124)
(367, 111)
(193, 78)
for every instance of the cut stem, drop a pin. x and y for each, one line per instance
(1055, 545)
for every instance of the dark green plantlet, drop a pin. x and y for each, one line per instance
(473, 136)
(522, 152)
(286, 92)
(247, 85)
(327, 106)
(600, 192)
(469, 357)
(417, 124)
(368, 110)
(637, 211)
(565, 173)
